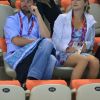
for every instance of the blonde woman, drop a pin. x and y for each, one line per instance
(73, 37)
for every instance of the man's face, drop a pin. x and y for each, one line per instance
(26, 5)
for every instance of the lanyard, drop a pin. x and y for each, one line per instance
(21, 25)
(84, 29)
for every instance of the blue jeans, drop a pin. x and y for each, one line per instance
(41, 59)
(40, 66)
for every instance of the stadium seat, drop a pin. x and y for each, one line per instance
(75, 84)
(95, 11)
(11, 90)
(50, 90)
(89, 92)
(65, 4)
(6, 11)
(86, 89)
(9, 82)
(96, 44)
(33, 83)
(17, 4)
(5, 2)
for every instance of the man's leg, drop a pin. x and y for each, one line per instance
(50, 67)
(41, 58)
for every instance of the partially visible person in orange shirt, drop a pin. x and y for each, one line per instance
(12, 3)
(97, 1)
(65, 4)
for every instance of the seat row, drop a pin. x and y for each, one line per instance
(86, 89)
(5, 2)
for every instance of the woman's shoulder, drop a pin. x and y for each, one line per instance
(90, 19)
(64, 16)
(89, 16)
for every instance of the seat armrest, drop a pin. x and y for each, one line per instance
(9, 71)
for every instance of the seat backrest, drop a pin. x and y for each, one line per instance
(10, 82)
(17, 4)
(77, 83)
(5, 11)
(4, 2)
(11, 92)
(50, 92)
(89, 92)
(33, 83)
(95, 11)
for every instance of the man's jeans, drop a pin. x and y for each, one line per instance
(40, 66)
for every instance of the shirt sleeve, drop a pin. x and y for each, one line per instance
(37, 28)
(11, 28)
(57, 34)
(90, 41)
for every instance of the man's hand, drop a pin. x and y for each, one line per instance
(34, 10)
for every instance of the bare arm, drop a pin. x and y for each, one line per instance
(20, 41)
(42, 27)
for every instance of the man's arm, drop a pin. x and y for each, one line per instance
(20, 41)
(42, 27)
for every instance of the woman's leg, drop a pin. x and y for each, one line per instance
(93, 66)
(79, 63)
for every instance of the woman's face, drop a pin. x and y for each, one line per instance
(78, 4)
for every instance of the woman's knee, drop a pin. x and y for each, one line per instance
(93, 60)
(94, 63)
(77, 59)
(83, 60)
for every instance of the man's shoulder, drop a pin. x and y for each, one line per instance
(13, 17)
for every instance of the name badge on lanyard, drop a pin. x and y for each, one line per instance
(21, 25)
(84, 29)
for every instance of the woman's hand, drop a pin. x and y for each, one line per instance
(71, 50)
(84, 48)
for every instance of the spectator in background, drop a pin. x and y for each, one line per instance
(50, 10)
(12, 3)
(65, 4)
(73, 37)
(97, 54)
(97, 1)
